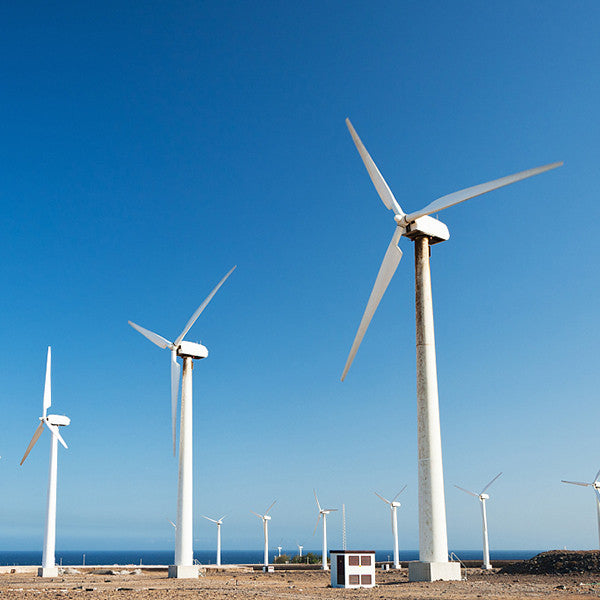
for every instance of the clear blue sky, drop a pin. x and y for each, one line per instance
(145, 150)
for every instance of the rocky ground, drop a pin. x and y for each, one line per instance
(292, 585)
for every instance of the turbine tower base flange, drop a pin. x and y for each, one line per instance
(48, 572)
(434, 571)
(183, 571)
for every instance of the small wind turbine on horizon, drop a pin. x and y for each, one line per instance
(424, 231)
(52, 422)
(189, 351)
(265, 519)
(218, 523)
(394, 506)
(300, 550)
(483, 497)
(323, 512)
(595, 485)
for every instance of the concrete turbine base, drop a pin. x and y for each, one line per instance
(434, 571)
(183, 571)
(48, 572)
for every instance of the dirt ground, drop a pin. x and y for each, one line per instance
(292, 585)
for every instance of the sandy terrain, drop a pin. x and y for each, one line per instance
(291, 585)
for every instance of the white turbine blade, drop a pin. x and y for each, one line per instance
(209, 519)
(174, 526)
(223, 517)
(597, 475)
(477, 190)
(577, 483)
(467, 491)
(201, 308)
(318, 505)
(394, 498)
(376, 177)
(490, 483)
(386, 272)
(34, 439)
(159, 340)
(54, 430)
(384, 499)
(175, 373)
(330, 510)
(270, 507)
(318, 519)
(47, 401)
(259, 516)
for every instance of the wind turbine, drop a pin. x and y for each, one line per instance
(424, 231)
(482, 497)
(218, 522)
(52, 422)
(265, 519)
(323, 512)
(299, 550)
(394, 506)
(189, 351)
(596, 487)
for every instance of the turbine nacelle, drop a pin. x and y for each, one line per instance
(396, 504)
(58, 420)
(435, 230)
(192, 350)
(483, 497)
(266, 517)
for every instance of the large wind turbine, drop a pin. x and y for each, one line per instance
(265, 519)
(323, 512)
(189, 351)
(218, 523)
(52, 422)
(424, 231)
(394, 506)
(595, 485)
(482, 497)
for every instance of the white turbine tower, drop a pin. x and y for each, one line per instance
(323, 512)
(424, 231)
(52, 422)
(189, 351)
(300, 550)
(394, 506)
(595, 485)
(265, 519)
(218, 522)
(482, 497)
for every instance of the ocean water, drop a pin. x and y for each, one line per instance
(231, 557)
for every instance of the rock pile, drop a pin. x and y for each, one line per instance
(558, 561)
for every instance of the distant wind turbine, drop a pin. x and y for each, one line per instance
(265, 519)
(483, 497)
(394, 506)
(323, 512)
(52, 422)
(218, 523)
(595, 485)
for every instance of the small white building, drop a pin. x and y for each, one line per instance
(352, 568)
